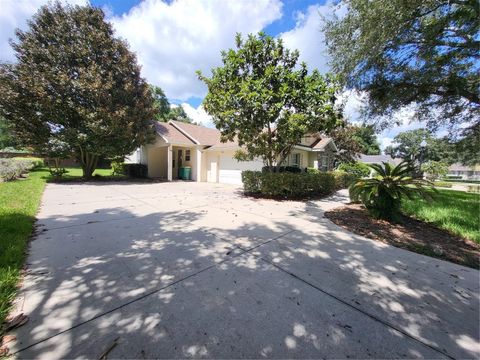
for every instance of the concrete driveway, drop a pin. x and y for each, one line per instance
(180, 270)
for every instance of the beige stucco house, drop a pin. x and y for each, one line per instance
(464, 172)
(179, 144)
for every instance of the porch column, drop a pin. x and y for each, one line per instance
(169, 163)
(315, 164)
(199, 165)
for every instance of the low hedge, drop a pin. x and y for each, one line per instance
(443, 184)
(293, 185)
(357, 169)
(281, 169)
(11, 169)
(135, 170)
(473, 188)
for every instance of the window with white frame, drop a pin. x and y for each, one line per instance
(296, 160)
(187, 155)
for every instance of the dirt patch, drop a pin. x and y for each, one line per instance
(410, 234)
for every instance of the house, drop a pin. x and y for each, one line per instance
(378, 159)
(464, 172)
(179, 144)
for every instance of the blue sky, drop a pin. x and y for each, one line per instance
(173, 39)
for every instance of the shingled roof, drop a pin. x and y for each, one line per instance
(171, 134)
(177, 132)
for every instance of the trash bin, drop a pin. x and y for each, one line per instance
(181, 173)
(187, 172)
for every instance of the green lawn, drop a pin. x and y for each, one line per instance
(455, 211)
(19, 201)
(76, 173)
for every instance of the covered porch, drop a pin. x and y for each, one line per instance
(166, 160)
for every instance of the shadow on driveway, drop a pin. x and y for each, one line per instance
(178, 283)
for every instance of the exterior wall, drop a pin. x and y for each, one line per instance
(304, 158)
(313, 160)
(157, 162)
(211, 168)
(465, 174)
(139, 156)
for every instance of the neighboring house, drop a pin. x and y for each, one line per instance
(464, 171)
(378, 159)
(179, 144)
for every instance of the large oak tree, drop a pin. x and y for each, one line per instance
(423, 54)
(265, 99)
(73, 81)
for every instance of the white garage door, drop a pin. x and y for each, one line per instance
(230, 170)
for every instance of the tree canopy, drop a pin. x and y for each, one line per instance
(265, 99)
(164, 110)
(179, 114)
(7, 139)
(366, 137)
(160, 102)
(423, 54)
(346, 142)
(467, 149)
(74, 82)
(421, 146)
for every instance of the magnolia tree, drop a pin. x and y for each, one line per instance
(74, 82)
(265, 99)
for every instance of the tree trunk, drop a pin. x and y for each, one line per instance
(88, 162)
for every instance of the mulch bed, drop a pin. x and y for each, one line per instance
(410, 234)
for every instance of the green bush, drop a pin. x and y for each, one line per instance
(35, 162)
(118, 167)
(136, 170)
(357, 169)
(474, 188)
(382, 194)
(343, 179)
(435, 169)
(288, 185)
(11, 169)
(443, 184)
(280, 169)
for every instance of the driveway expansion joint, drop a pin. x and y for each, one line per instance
(383, 322)
(148, 294)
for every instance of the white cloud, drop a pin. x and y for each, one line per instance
(307, 36)
(199, 115)
(354, 102)
(15, 14)
(384, 142)
(173, 40)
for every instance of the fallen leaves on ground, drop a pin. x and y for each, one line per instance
(410, 234)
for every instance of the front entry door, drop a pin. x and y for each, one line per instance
(180, 160)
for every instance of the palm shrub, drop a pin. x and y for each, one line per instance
(382, 194)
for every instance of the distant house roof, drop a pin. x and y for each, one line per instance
(378, 159)
(460, 167)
